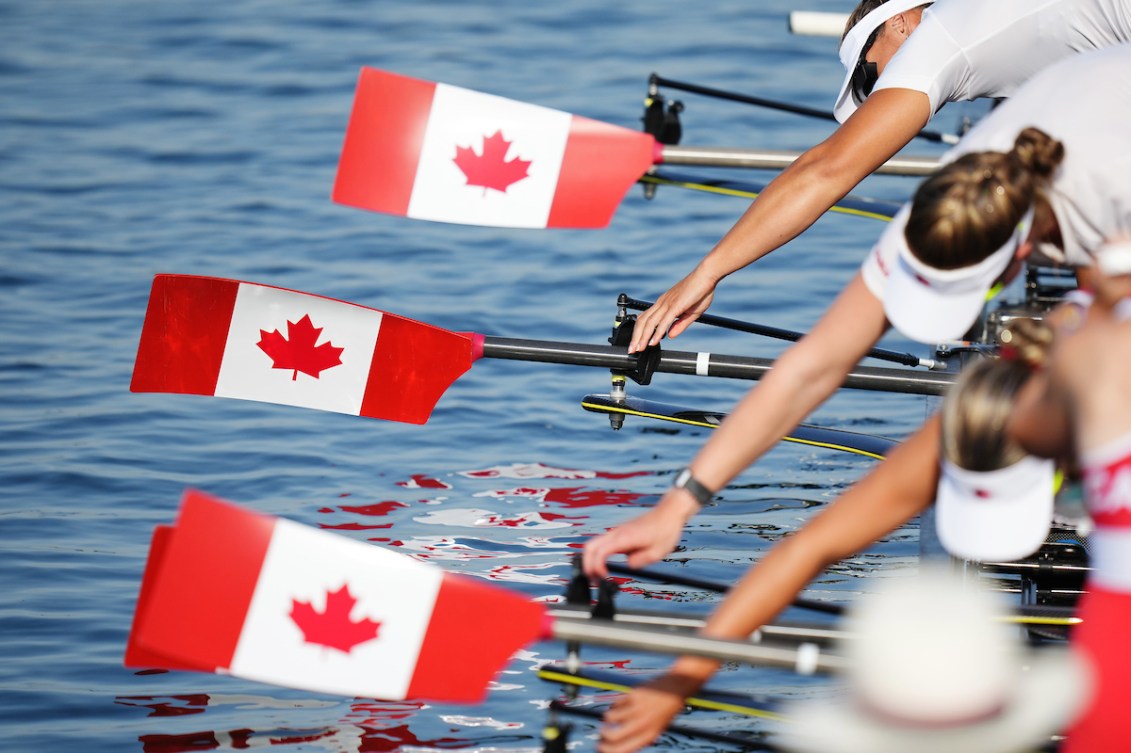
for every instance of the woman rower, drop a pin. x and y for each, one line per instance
(993, 506)
(954, 50)
(1071, 206)
(1086, 389)
(1060, 102)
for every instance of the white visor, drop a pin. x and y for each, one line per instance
(995, 516)
(1114, 257)
(853, 44)
(939, 305)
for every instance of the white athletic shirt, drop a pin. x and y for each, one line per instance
(1084, 102)
(966, 49)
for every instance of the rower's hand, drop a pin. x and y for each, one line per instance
(636, 719)
(674, 311)
(646, 539)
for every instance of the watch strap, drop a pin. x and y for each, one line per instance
(686, 480)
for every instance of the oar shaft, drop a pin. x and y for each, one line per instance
(656, 81)
(883, 354)
(772, 159)
(798, 633)
(704, 364)
(805, 659)
(692, 732)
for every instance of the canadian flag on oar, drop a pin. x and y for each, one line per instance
(433, 151)
(210, 336)
(266, 599)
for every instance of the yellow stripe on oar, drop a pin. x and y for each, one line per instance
(603, 408)
(699, 703)
(659, 181)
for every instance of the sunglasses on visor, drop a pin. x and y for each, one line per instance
(865, 75)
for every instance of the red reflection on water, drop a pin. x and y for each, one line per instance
(378, 509)
(353, 526)
(581, 497)
(170, 705)
(420, 481)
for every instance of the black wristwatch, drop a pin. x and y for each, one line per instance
(684, 480)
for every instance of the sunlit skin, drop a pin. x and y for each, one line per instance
(899, 488)
(795, 199)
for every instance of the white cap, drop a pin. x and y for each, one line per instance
(995, 516)
(935, 305)
(933, 671)
(853, 43)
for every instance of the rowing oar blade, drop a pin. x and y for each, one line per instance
(270, 600)
(211, 336)
(433, 151)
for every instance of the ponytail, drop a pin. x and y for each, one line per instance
(970, 207)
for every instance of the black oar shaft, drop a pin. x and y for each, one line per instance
(679, 729)
(708, 585)
(773, 159)
(812, 112)
(705, 364)
(883, 354)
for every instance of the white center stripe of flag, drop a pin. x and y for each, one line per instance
(464, 118)
(248, 373)
(305, 564)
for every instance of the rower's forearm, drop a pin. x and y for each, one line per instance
(768, 412)
(787, 206)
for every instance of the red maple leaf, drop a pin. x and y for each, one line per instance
(298, 351)
(333, 627)
(491, 169)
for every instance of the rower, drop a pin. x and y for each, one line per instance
(1086, 196)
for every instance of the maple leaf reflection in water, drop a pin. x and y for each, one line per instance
(298, 352)
(333, 627)
(491, 169)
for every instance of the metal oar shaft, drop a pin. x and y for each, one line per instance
(772, 159)
(705, 364)
(804, 659)
(653, 618)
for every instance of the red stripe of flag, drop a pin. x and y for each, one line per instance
(205, 583)
(474, 630)
(184, 335)
(618, 157)
(413, 364)
(382, 145)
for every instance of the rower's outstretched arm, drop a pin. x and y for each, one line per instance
(802, 378)
(899, 488)
(793, 201)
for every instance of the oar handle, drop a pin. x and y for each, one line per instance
(883, 354)
(805, 659)
(704, 364)
(656, 80)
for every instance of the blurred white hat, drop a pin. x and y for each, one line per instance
(933, 672)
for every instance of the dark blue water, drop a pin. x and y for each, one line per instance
(202, 137)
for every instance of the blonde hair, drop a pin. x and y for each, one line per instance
(977, 407)
(970, 208)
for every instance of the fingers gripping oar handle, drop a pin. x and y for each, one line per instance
(883, 354)
(804, 659)
(702, 364)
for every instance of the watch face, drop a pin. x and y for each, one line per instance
(682, 479)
